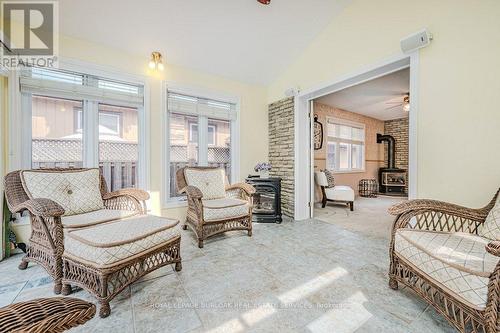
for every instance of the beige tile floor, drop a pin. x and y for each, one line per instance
(307, 276)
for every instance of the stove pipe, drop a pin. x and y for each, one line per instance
(391, 154)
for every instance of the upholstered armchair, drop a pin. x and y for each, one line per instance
(337, 193)
(213, 206)
(58, 200)
(450, 256)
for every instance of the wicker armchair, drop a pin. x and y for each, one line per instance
(46, 243)
(208, 216)
(42, 315)
(439, 250)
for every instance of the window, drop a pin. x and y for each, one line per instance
(345, 146)
(118, 150)
(193, 133)
(199, 134)
(331, 159)
(54, 141)
(182, 152)
(211, 135)
(84, 120)
(109, 122)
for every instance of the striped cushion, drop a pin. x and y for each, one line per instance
(329, 178)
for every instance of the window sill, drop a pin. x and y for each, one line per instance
(174, 204)
(349, 171)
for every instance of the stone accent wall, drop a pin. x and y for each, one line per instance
(398, 128)
(281, 150)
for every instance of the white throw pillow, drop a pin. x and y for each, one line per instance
(211, 182)
(491, 226)
(76, 191)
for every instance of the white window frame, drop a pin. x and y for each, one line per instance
(214, 129)
(20, 120)
(173, 87)
(338, 141)
(191, 130)
(79, 121)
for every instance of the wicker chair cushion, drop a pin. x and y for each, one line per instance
(76, 191)
(110, 243)
(95, 217)
(211, 182)
(491, 226)
(457, 261)
(221, 209)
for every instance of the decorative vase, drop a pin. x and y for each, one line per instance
(264, 174)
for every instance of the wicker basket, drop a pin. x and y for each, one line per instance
(368, 188)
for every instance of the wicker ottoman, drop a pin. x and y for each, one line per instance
(106, 258)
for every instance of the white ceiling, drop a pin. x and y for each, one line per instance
(238, 39)
(375, 97)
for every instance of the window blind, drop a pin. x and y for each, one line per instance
(345, 131)
(64, 84)
(191, 105)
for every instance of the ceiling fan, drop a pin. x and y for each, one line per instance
(405, 103)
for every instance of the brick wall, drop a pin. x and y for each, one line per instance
(281, 150)
(398, 128)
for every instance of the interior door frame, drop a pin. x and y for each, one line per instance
(311, 157)
(304, 160)
(4, 75)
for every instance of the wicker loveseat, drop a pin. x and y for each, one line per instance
(450, 256)
(214, 206)
(87, 202)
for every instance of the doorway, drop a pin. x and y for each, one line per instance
(305, 189)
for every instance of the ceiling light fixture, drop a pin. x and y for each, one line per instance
(264, 2)
(156, 61)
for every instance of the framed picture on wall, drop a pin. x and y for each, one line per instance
(318, 134)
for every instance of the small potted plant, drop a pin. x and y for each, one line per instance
(263, 169)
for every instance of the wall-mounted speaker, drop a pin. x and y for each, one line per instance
(416, 41)
(292, 91)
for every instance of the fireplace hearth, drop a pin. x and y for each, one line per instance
(392, 180)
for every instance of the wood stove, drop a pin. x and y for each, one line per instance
(267, 199)
(392, 180)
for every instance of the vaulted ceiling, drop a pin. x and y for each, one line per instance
(238, 39)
